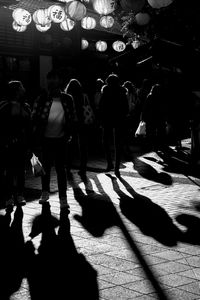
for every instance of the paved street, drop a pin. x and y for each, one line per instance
(138, 234)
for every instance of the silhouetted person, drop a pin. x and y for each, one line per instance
(52, 128)
(75, 88)
(113, 109)
(15, 129)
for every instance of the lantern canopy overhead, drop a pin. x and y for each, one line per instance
(41, 17)
(88, 23)
(18, 28)
(107, 21)
(101, 46)
(67, 24)
(119, 46)
(104, 7)
(22, 16)
(76, 10)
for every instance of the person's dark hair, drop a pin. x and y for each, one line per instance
(112, 79)
(73, 87)
(129, 86)
(13, 88)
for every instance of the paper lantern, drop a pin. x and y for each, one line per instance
(43, 28)
(119, 46)
(142, 18)
(56, 13)
(135, 5)
(76, 10)
(104, 7)
(107, 21)
(22, 16)
(67, 24)
(101, 46)
(159, 3)
(18, 28)
(41, 17)
(88, 23)
(84, 44)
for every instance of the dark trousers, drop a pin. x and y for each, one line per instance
(115, 135)
(14, 171)
(54, 152)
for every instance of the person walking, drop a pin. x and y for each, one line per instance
(52, 121)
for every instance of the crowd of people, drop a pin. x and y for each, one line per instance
(58, 115)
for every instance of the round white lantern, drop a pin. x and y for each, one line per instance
(22, 16)
(88, 23)
(67, 24)
(56, 13)
(43, 28)
(101, 46)
(18, 28)
(84, 44)
(142, 18)
(159, 3)
(119, 46)
(107, 21)
(104, 7)
(76, 10)
(41, 17)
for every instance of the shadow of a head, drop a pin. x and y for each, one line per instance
(148, 172)
(98, 213)
(192, 223)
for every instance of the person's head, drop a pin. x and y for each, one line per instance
(15, 91)
(99, 84)
(129, 86)
(53, 81)
(112, 80)
(74, 87)
(156, 90)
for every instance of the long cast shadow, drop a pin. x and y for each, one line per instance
(148, 172)
(12, 252)
(192, 224)
(57, 270)
(138, 253)
(98, 212)
(148, 216)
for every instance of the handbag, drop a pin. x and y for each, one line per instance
(141, 130)
(37, 167)
(88, 114)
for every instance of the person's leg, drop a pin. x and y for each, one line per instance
(107, 136)
(60, 152)
(118, 141)
(82, 138)
(47, 160)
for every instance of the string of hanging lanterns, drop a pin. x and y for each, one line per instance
(68, 12)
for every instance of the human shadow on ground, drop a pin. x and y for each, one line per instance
(148, 172)
(151, 219)
(57, 270)
(98, 212)
(192, 224)
(12, 252)
(178, 162)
